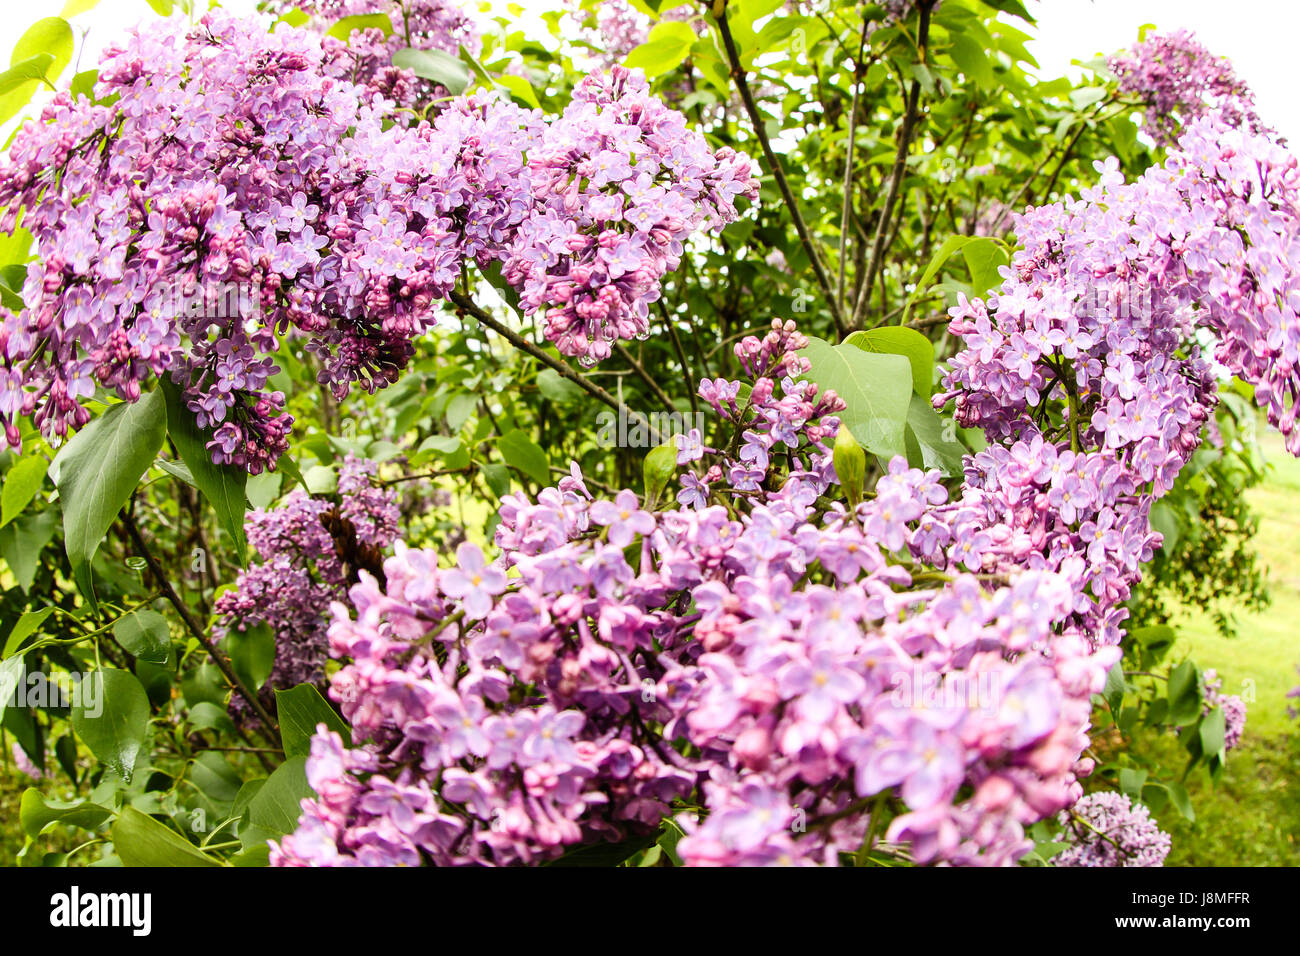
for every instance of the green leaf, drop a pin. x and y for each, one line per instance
(972, 59)
(664, 49)
(875, 388)
(1180, 799)
(275, 808)
(1131, 781)
(497, 477)
(145, 635)
(215, 778)
(983, 258)
(252, 653)
(263, 489)
(22, 542)
(23, 629)
(436, 65)
(931, 439)
(909, 343)
(224, 486)
(74, 7)
(520, 89)
(83, 84)
(36, 813)
(11, 672)
(299, 710)
(51, 36)
(1116, 686)
(140, 840)
(440, 444)
(1184, 694)
(557, 388)
(206, 715)
(342, 29)
(115, 726)
(606, 854)
(97, 471)
(19, 83)
(22, 483)
(459, 409)
(163, 8)
(950, 245)
(1213, 731)
(526, 455)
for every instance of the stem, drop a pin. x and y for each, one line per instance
(223, 664)
(645, 376)
(681, 358)
(467, 305)
(905, 134)
(747, 97)
(848, 162)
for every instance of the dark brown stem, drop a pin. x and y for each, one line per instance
(222, 662)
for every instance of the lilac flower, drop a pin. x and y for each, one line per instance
(473, 581)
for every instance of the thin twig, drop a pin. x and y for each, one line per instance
(848, 161)
(645, 376)
(760, 131)
(563, 368)
(905, 134)
(223, 664)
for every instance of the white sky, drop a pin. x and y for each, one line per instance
(1259, 36)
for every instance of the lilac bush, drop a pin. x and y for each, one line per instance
(280, 204)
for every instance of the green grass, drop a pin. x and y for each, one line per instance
(1251, 817)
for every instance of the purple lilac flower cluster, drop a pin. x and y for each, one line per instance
(1107, 829)
(1234, 708)
(302, 570)
(1179, 80)
(1082, 368)
(785, 663)
(619, 184)
(224, 192)
(366, 57)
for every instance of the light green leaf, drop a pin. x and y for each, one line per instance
(74, 7)
(520, 89)
(35, 813)
(557, 388)
(11, 673)
(1213, 732)
(664, 49)
(140, 840)
(875, 388)
(983, 257)
(911, 344)
(367, 21)
(23, 629)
